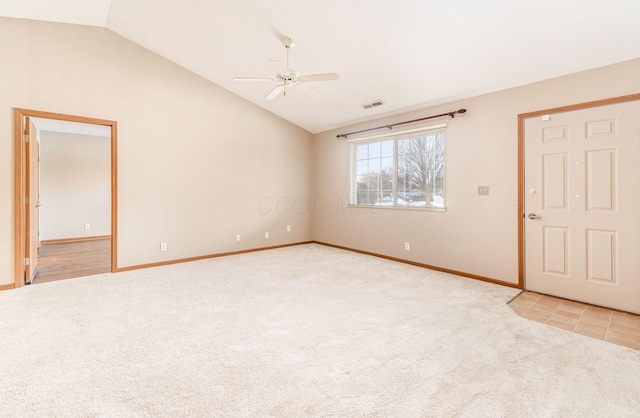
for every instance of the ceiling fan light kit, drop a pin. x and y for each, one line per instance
(288, 77)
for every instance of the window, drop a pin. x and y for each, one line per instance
(402, 170)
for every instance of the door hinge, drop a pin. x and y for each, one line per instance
(26, 138)
(26, 261)
(26, 200)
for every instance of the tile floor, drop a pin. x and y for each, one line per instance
(601, 323)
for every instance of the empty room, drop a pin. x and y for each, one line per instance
(319, 208)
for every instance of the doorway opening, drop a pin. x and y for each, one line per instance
(78, 176)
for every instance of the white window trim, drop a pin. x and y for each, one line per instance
(389, 135)
(394, 133)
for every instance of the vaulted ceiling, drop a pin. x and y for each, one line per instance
(409, 54)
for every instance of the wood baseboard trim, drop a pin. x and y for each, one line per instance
(7, 286)
(203, 257)
(427, 266)
(79, 239)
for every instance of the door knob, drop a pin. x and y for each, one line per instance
(38, 204)
(534, 216)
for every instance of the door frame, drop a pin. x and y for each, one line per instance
(521, 158)
(20, 186)
(32, 159)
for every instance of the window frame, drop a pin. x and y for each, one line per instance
(395, 137)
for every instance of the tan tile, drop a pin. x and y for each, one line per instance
(549, 298)
(541, 305)
(561, 324)
(631, 342)
(630, 321)
(565, 314)
(597, 309)
(518, 304)
(518, 310)
(535, 317)
(622, 327)
(528, 296)
(573, 307)
(621, 335)
(577, 305)
(551, 303)
(527, 303)
(602, 314)
(592, 331)
(635, 346)
(563, 317)
(546, 313)
(600, 321)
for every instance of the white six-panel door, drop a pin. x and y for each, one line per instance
(582, 205)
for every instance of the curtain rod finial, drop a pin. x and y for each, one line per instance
(460, 111)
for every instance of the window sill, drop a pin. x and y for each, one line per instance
(414, 208)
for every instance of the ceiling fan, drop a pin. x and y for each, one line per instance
(288, 77)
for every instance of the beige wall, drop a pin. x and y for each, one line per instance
(196, 163)
(477, 234)
(75, 185)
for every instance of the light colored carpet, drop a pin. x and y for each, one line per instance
(299, 331)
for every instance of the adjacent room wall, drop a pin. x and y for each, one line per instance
(196, 164)
(75, 185)
(477, 234)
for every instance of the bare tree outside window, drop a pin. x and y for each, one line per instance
(400, 171)
(421, 170)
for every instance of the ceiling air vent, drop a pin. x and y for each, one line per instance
(372, 104)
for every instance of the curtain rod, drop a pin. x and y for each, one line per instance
(451, 114)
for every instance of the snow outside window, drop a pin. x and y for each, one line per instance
(404, 170)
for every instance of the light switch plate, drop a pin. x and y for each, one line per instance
(483, 190)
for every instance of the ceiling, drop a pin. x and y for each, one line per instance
(409, 54)
(54, 125)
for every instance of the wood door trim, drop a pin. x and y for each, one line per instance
(19, 210)
(521, 156)
(19, 213)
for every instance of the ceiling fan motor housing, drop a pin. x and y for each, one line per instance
(290, 77)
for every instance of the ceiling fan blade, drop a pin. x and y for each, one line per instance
(252, 79)
(319, 77)
(281, 68)
(308, 90)
(274, 93)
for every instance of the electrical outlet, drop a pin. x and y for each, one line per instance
(483, 190)
(163, 246)
(87, 226)
(237, 237)
(407, 246)
(288, 228)
(266, 235)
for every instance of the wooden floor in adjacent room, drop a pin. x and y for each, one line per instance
(73, 259)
